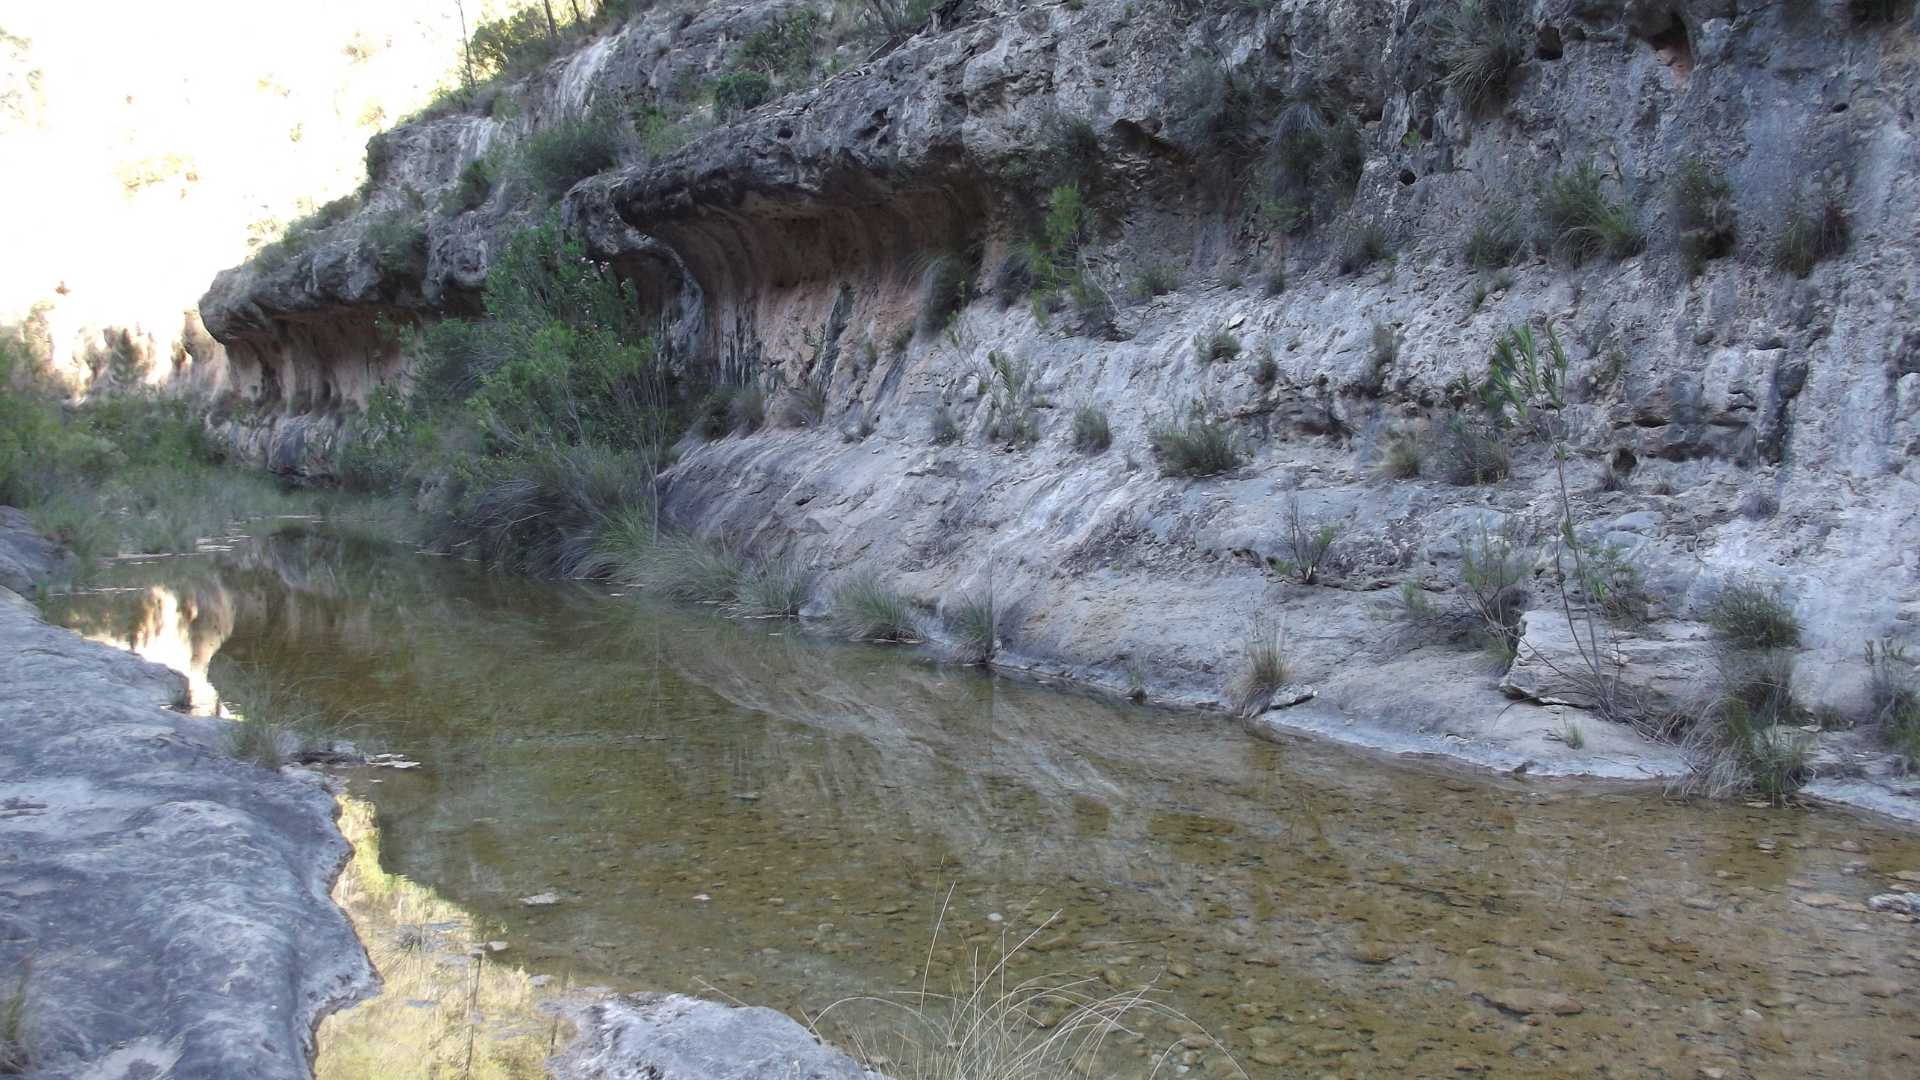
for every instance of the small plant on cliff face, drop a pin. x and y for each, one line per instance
(1363, 246)
(1703, 208)
(399, 242)
(569, 151)
(1218, 344)
(1091, 434)
(740, 92)
(1263, 669)
(472, 187)
(770, 589)
(1811, 236)
(1481, 45)
(1583, 223)
(1497, 237)
(896, 20)
(1153, 277)
(865, 610)
(1215, 110)
(1012, 401)
(1749, 615)
(946, 287)
(1472, 451)
(942, 430)
(1747, 739)
(1069, 151)
(1402, 456)
(1309, 543)
(1893, 698)
(1494, 570)
(783, 47)
(14, 1056)
(1195, 447)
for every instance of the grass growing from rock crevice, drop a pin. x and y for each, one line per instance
(1748, 615)
(1583, 222)
(1091, 432)
(1263, 669)
(1196, 447)
(974, 622)
(269, 722)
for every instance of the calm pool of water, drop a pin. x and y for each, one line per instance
(744, 810)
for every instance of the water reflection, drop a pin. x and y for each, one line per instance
(734, 808)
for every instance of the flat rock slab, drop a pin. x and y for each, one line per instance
(675, 1037)
(169, 903)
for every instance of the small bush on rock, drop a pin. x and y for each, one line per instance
(1811, 236)
(1402, 457)
(1748, 615)
(567, 152)
(1196, 447)
(942, 430)
(1472, 451)
(1263, 669)
(1481, 45)
(1091, 434)
(1497, 238)
(740, 92)
(947, 286)
(1583, 223)
(974, 623)
(1703, 208)
(1364, 245)
(1218, 344)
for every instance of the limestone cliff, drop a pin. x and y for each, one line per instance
(1743, 419)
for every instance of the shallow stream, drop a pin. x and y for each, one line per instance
(742, 810)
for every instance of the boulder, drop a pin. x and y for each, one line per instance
(1660, 669)
(675, 1037)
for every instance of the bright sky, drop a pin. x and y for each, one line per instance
(139, 140)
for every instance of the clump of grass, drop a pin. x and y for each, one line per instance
(1091, 433)
(1703, 208)
(1266, 369)
(740, 92)
(804, 404)
(1571, 736)
(1497, 237)
(747, 408)
(946, 287)
(771, 589)
(1363, 246)
(269, 724)
(865, 610)
(1217, 344)
(1582, 222)
(1745, 740)
(1014, 277)
(1893, 698)
(473, 186)
(941, 429)
(1403, 455)
(991, 1028)
(1481, 45)
(540, 514)
(1472, 451)
(974, 622)
(1153, 277)
(1275, 282)
(1748, 615)
(399, 243)
(14, 1056)
(1263, 669)
(1196, 447)
(680, 566)
(1810, 236)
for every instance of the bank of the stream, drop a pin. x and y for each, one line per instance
(647, 797)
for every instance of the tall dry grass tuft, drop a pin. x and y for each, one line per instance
(992, 1028)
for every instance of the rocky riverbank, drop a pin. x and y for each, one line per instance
(167, 905)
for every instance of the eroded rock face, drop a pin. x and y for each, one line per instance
(674, 1037)
(171, 904)
(1741, 422)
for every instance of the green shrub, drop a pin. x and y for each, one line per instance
(896, 20)
(1582, 223)
(1218, 344)
(1893, 699)
(946, 288)
(1263, 669)
(1363, 246)
(1611, 581)
(1069, 152)
(1481, 45)
(1091, 434)
(1215, 110)
(974, 622)
(1494, 570)
(805, 404)
(1308, 545)
(399, 243)
(1275, 282)
(513, 44)
(1196, 447)
(271, 723)
(1154, 277)
(865, 610)
(741, 92)
(1497, 237)
(1266, 370)
(662, 133)
(473, 186)
(1014, 278)
(1472, 451)
(568, 151)
(1746, 741)
(1809, 237)
(783, 46)
(1703, 208)
(1749, 615)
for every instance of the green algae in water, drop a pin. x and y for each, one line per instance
(741, 810)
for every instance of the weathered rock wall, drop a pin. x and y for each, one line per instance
(1763, 423)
